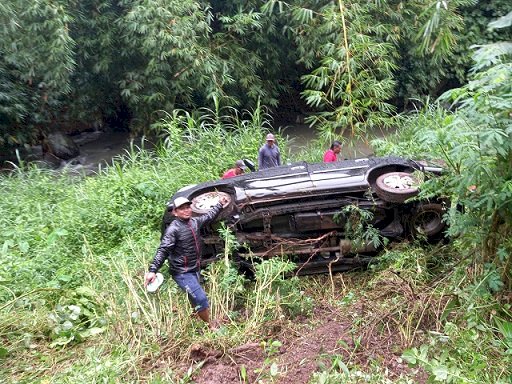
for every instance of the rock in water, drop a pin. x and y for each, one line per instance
(62, 146)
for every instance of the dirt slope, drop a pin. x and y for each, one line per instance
(311, 347)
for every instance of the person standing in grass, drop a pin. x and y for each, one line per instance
(269, 155)
(332, 153)
(181, 246)
(238, 170)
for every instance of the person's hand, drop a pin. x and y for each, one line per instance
(149, 278)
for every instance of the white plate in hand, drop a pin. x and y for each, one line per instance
(159, 279)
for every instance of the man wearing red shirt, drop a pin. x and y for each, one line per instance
(238, 170)
(332, 153)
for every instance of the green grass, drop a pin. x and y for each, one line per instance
(73, 252)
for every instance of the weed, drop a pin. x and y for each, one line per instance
(357, 228)
(269, 370)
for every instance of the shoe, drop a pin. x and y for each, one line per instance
(159, 279)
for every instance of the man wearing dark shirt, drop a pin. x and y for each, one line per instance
(269, 155)
(181, 246)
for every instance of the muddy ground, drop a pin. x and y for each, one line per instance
(313, 346)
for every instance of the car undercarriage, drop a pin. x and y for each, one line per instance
(304, 212)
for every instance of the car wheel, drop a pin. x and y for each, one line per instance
(396, 187)
(205, 201)
(428, 220)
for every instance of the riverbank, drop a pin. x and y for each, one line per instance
(99, 148)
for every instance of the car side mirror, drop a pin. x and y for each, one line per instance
(249, 164)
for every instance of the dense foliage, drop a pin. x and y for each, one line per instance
(475, 143)
(72, 65)
(474, 140)
(73, 249)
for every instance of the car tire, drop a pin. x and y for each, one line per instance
(428, 220)
(396, 187)
(202, 203)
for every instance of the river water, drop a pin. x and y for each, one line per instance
(101, 147)
(301, 135)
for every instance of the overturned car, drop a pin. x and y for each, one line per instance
(299, 210)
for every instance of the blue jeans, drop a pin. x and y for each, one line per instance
(189, 282)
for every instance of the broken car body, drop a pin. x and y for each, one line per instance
(298, 210)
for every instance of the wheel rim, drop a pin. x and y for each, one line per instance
(400, 182)
(206, 201)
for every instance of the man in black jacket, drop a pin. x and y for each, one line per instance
(181, 246)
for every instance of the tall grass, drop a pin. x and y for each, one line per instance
(74, 249)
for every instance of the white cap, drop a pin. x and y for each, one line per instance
(178, 202)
